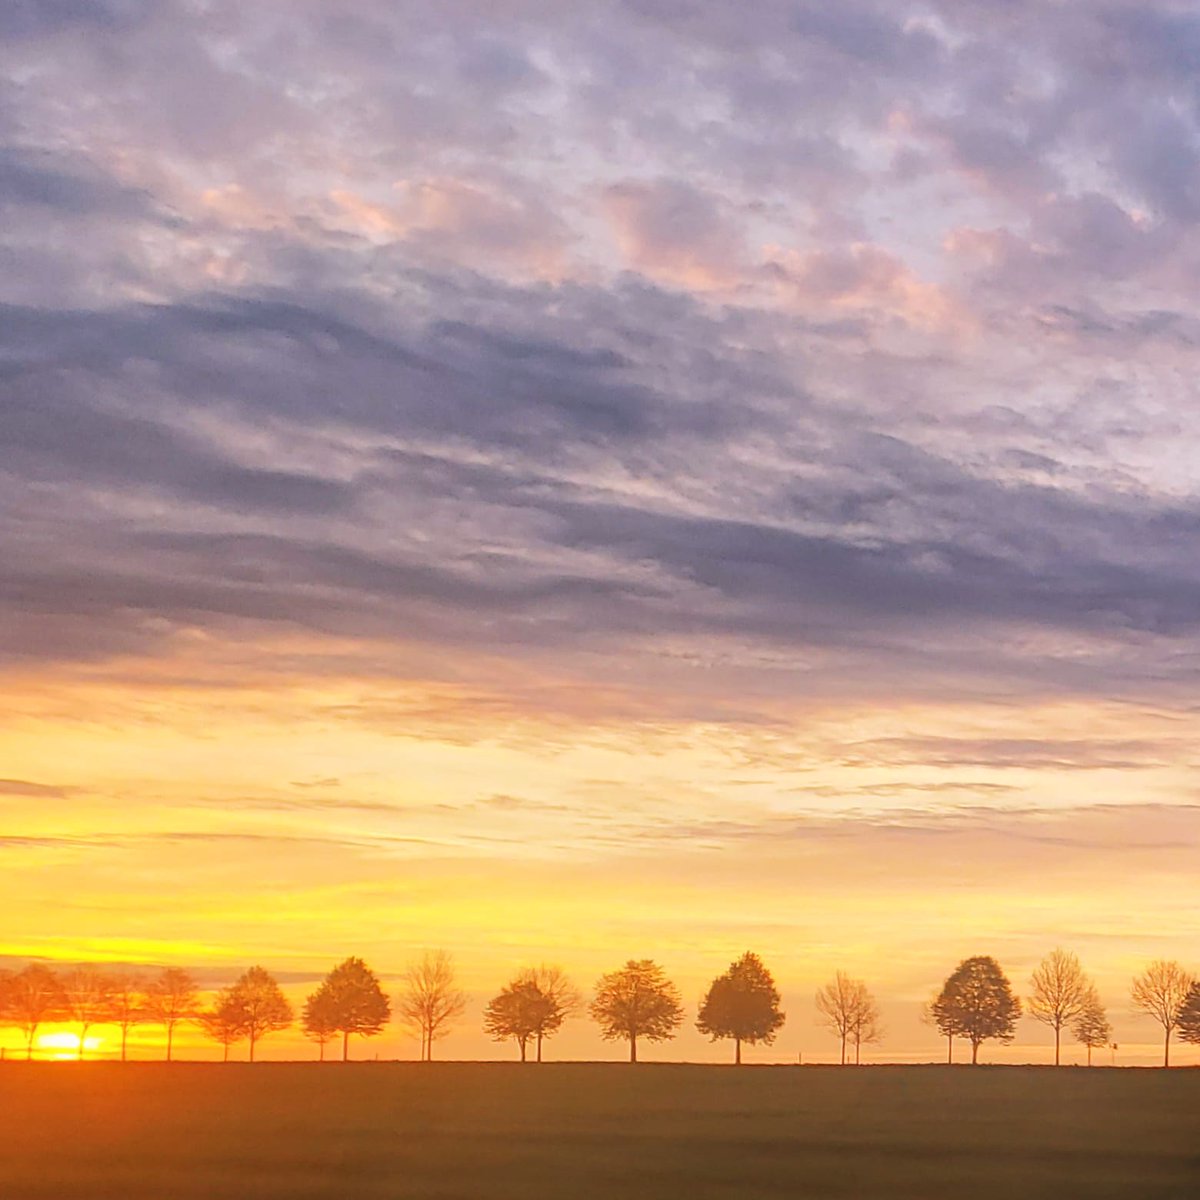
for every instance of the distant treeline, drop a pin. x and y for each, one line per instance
(635, 1003)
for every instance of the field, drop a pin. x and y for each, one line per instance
(576, 1131)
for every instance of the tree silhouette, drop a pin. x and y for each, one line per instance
(977, 1003)
(1189, 1015)
(638, 1001)
(352, 997)
(225, 1022)
(257, 1004)
(1090, 1026)
(430, 999)
(34, 996)
(128, 1004)
(1060, 990)
(170, 999)
(319, 1018)
(562, 994)
(87, 999)
(518, 1011)
(742, 1004)
(848, 1010)
(1160, 992)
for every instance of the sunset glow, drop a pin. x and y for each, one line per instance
(631, 480)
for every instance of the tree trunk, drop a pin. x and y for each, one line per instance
(124, 1039)
(170, 1036)
(950, 1048)
(843, 1049)
(1089, 1050)
(633, 1047)
(1057, 1036)
(974, 1053)
(226, 1058)
(737, 1051)
(82, 1037)
(521, 1043)
(345, 1045)
(1167, 1050)
(539, 1046)
(29, 1044)
(858, 1054)
(253, 1039)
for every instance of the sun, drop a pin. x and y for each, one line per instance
(65, 1045)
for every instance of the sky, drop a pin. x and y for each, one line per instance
(571, 482)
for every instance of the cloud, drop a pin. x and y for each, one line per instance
(36, 791)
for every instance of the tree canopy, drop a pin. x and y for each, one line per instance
(742, 1004)
(638, 1001)
(256, 1003)
(349, 1001)
(977, 1003)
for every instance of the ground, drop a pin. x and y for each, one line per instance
(577, 1131)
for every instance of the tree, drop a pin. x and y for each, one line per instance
(354, 1000)
(517, 1012)
(1189, 1015)
(848, 1010)
(431, 999)
(34, 997)
(637, 1001)
(1060, 992)
(742, 1004)
(170, 999)
(318, 1018)
(257, 1004)
(128, 1005)
(225, 1022)
(1090, 1027)
(87, 999)
(563, 997)
(977, 1003)
(1160, 992)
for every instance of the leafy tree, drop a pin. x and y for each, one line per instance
(638, 1001)
(1189, 1015)
(517, 1012)
(1090, 1027)
(34, 996)
(319, 1018)
(977, 1003)
(1060, 991)
(563, 996)
(932, 1013)
(225, 1022)
(848, 1010)
(742, 1004)
(1160, 992)
(352, 997)
(257, 1004)
(128, 1004)
(171, 998)
(87, 999)
(430, 999)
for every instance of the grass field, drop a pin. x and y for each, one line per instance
(575, 1131)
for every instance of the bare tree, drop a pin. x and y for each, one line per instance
(430, 999)
(1090, 1027)
(34, 996)
(170, 999)
(847, 1009)
(638, 1001)
(128, 1005)
(256, 1002)
(87, 999)
(1160, 992)
(1059, 993)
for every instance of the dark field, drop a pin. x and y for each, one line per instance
(152, 1132)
